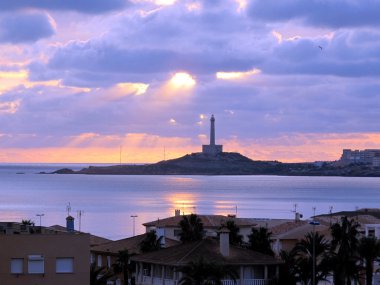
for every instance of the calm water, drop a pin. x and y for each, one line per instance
(109, 201)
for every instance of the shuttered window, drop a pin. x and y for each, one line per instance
(65, 265)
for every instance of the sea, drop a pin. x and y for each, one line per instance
(104, 204)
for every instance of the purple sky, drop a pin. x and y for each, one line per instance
(289, 80)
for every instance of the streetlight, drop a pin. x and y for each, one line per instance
(40, 215)
(314, 223)
(134, 217)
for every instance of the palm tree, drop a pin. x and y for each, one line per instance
(201, 272)
(304, 256)
(259, 240)
(99, 275)
(27, 222)
(123, 265)
(235, 238)
(289, 270)
(369, 250)
(191, 228)
(344, 246)
(150, 242)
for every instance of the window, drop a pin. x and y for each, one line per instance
(17, 265)
(64, 265)
(36, 264)
(100, 261)
(108, 261)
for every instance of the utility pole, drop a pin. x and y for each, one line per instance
(40, 216)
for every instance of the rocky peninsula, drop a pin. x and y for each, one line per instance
(229, 163)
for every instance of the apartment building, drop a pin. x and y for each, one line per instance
(43, 256)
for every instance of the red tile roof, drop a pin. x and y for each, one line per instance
(208, 249)
(209, 221)
(132, 244)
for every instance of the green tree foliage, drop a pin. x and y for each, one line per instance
(289, 271)
(201, 272)
(123, 265)
(369, 250)
(150, 242)
(100, 275)
(259, 240)
(28, 222)
(344, 254)
(234, 236)
(191, 228)
(304, 258)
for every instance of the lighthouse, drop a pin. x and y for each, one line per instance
(212, 148)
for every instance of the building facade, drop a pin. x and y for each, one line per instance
(164, 266)
(367, 156)
(39, 256)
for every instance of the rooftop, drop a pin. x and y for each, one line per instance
(208, 249)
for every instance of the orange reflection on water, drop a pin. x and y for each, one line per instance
(185, 202)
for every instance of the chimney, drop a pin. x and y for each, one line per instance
(224, 242)
(177, 212)
(298, 217)
(70, 224)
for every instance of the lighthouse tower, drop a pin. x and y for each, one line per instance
(212, 148)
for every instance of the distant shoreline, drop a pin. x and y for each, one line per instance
(229, 163)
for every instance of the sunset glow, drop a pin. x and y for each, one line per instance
(182, 80)
(236, 75)
(77, 81)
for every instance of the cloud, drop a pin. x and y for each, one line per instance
(83, 6)
(25, 27)
(9, 107)
(335, 14)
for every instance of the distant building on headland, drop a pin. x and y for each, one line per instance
(212, 148)
(367, 156)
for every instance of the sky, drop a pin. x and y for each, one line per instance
(137, 80)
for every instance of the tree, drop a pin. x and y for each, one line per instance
(99, 275)
(201, 272)
(304, 258)
(259, 240)
(150, 242)
(27, 222)
(234, 236)
(344, 247)
(191, 228)
(123, 265)
(289, 270)
(369, 250)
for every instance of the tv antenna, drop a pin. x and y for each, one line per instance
(68, 209)
(79, 214)
(120, 154)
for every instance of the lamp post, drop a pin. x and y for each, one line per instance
(134, 217)
(314, 223)
(40, 215)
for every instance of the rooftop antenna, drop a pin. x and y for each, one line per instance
(330, 212)
(120, 154)
(68, 209)
(295, 207)
(79, 214)
(236, 210)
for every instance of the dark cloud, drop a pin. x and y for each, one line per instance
(88, 61)
(336, 14)
(83, 6)
(25, 27)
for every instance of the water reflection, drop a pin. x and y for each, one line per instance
(185, 202)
